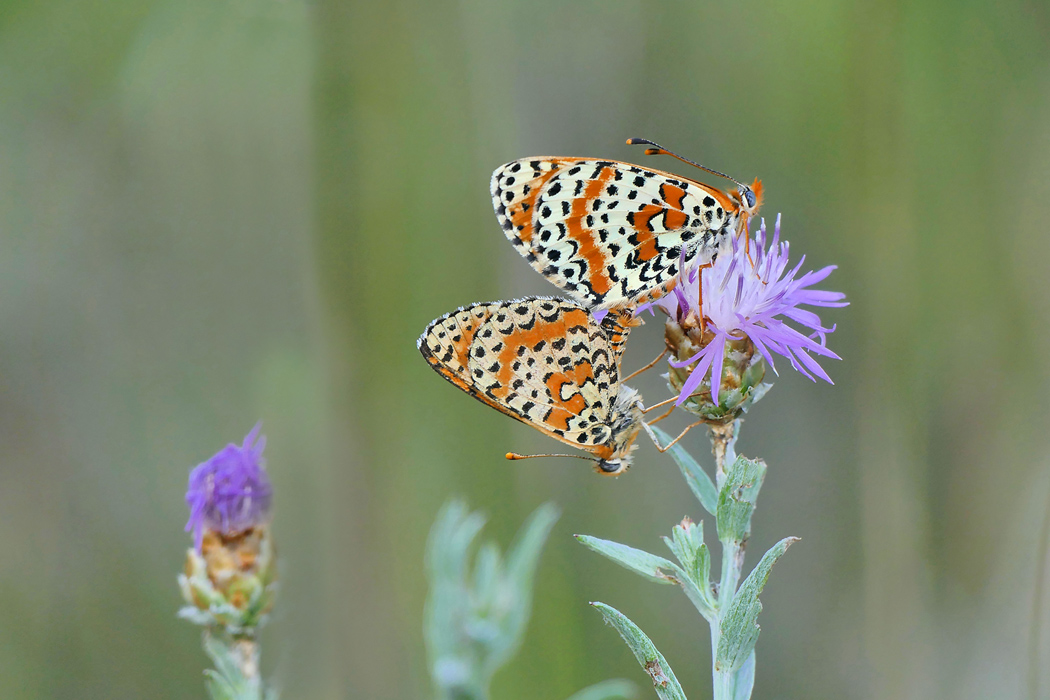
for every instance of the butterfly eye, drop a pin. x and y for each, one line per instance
(750, 197)
(610, 466)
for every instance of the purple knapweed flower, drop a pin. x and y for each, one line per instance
(230, 492)
(754, 302)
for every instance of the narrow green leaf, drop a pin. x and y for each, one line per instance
(524, 553)
(475, 615)
(220, 653)
(218, 687)
(648, 565)
(486, 572)
(607, 690)
(736, 501)
(519, 571)
(739, 629)
(701, 599)
(699, 482)
(745, 679)
(664, 681)
(687, 544)
(703, 569)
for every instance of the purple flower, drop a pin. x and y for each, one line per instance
(741, 301)
(230, 492)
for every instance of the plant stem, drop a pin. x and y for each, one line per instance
(732, 564)
(246, 656)
(236, 659)
(723, 446)
(723, 682)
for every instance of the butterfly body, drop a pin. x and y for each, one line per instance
(613, 234)
(547, 363)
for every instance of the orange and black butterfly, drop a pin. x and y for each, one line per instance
(613, 234)
(547, 363)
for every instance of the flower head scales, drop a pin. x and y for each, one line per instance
(740, 301)
(230, 492)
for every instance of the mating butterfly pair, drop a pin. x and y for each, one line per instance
(611, 235)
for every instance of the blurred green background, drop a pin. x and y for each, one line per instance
(217, 211)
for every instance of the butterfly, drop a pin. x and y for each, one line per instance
(548, 363)
(612, 234)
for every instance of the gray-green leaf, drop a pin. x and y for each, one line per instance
(745, 679)
(475, 619)
(699, 482)
(519, 571)
(739, 629)
(736, 501)
(648, 565)
(227, 681)
(664, 681)
(687, 543)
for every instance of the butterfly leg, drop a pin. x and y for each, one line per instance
(658, 405)
(648, 366)
(700, 295)
(667, 401)
(671, 444)
(747, 243)
(662, 416)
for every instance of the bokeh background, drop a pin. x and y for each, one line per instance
(219, 211)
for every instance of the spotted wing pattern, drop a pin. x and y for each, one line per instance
(541, 360)
(617, 327)
(446, 344)
(608, 233)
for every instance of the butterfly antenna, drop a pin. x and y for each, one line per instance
(659, 150)
(515, 455)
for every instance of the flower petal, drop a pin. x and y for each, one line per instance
(696, 377)
(719, 353)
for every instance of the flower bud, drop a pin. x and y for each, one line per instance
(231, 580)
(743, 370)
(230, 576)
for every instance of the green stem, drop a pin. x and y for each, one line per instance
(236, 674)
(732, 565)
(722, 682)
(723, 446)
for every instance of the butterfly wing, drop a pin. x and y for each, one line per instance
(551, 364)
(446, 344)
(543, 361)
(608, 233)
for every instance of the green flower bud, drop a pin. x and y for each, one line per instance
(231, 581)
(743, 370)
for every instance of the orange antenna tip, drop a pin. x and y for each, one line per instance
(658, 150)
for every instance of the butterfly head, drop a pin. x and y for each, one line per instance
(625, 421)
(748, 199)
